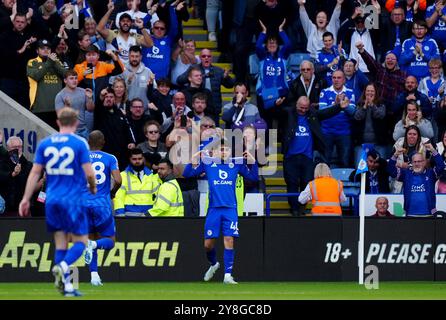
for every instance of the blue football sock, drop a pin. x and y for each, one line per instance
(228, 257)
(59, 255)
(74, 253)
(212, 256)
(94, 261)
(105, 243)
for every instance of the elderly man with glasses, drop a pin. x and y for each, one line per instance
(307, 84)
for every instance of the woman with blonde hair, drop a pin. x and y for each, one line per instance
(412, 115)
(121, 95)
(325, 192)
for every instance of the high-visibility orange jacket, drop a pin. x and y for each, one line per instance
(325, 194)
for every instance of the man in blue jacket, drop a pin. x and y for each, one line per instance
(418, 182)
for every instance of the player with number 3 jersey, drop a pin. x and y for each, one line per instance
(99, 206)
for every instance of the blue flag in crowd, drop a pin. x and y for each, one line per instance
(362, 164)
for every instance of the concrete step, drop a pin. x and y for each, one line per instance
(275, 181)
(206, 45)
(224, 66)
(276, 157)
(195, 34)
(279, 205)
(193, 23)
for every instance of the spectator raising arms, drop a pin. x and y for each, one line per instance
(122, 39)
(272, 87)
(418, 182)
(314, 32)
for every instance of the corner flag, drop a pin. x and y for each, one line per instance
(362, 164)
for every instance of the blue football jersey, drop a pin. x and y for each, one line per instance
(103, 164)
(62, 156)
(222, 179)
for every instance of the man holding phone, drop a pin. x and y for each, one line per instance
(14, 170)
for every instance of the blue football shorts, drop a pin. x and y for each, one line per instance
(224, 218)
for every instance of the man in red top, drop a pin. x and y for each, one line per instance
(382, 206)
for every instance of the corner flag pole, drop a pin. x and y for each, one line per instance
(362, 169)
(361, 229)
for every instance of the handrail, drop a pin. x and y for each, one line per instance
(270, 195)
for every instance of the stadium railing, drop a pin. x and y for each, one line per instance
(353, 196)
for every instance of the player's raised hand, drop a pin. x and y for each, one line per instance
(248, 156)
(263, 26)
(89, 93)
(280, 101)
(360, 46)
(139, 23)
(340, 2)
(429, 147)
(153, 9)
(345, 103)
(152, 106)
(180, 6)
(301, 2)
(24, 208)
(110, 6)
(282, 25)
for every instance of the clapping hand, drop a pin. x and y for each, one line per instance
(429, 147)
(280, 101)
(89, 93)
(345, 102)
(263, 26)
(282, 25)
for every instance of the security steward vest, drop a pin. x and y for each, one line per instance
(136, 196)
(325, 193)
(169, 200)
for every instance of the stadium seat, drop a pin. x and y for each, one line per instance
(295, 59)
(343, 174)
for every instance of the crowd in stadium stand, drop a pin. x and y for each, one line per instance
(330, 75)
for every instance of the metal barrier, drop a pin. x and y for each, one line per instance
(353, 196)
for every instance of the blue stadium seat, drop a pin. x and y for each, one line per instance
(295, 59)
(253, 66)
(343, 174)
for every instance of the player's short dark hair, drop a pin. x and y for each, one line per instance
(70, 73)
(135, 49)
(199, 96)
(67, 116)
(192, 69)
(20, 14)
(374, 154)
(164, 82)
(81, 34)
(421, 23)
(327, 34)
(241, 84)
(96, 139)
(135, 151)
(166, 161)
(136, 100)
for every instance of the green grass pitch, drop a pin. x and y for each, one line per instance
(219, 291)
